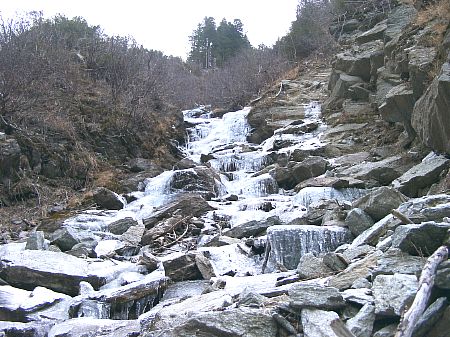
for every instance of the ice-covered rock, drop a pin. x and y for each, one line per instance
(290, 242)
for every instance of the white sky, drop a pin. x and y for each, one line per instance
(165, 25)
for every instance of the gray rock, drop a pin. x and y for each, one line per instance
(441, 326)
(361, 296)
(422, 239)
(398, 107)
(354, 252)
(334, 261)
(290, 242)
(387, 331)
(187, 204)
(430, 317)
(107, 199)
(422, 175)
(18, 304)
(340, 90)
(381, 172)
(429, 208)
(362, 324)
(36, 241)
(315, 296)
(358, 221)
(252, 228)
(376, 33)
(398, 19)
(9, 160)
(181, 267)
(32, 329)
(361, 283)
(380, 202)
(288, 177)
(393, 292)
(359, 269)
(57, 271)
(310, 267)
(317, 323)
(443, 275)
(385, 81)
(86, 326)
(421, 60)
(121, 226)
(67, 237)
(395, 261)
(430, 115)
(232, 322)
(357, 62)
(200, 179)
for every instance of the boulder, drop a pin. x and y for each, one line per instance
(317, 323)
(362, 324)
(340, 90)
(181, 267)
(443, 275)
(398, 19)
(421, 60)
(32, 329)
(380, 202)
(430, 317)
(121, 226)
(290, 242)
(358, 221)
(251, 228)
(314, 296)
(357, 62)
(36, 241)
(18, 304)
(232, 322)
(398, 107)
(395, 261)
(443, 324)
(385, 81)
(420, 239)
(381, 172)
(428, 208)
(200, 179)
(86, 326)
(187, 204)
(107, 199)
(310, 267)
(67, 237)
(288, 177)
(422, 175)
(361, 296)
(57, 271)
(9, 160)
(430, 117)
(376, 33)
(393, 293)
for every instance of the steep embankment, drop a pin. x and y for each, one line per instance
(320, 231)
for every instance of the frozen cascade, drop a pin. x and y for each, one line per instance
(289, 243)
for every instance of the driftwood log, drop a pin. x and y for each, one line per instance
(426, 282)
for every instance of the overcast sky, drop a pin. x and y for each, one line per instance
(166, 24)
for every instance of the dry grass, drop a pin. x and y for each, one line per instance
(439, 10)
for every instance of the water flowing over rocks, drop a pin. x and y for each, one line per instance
(288, 218)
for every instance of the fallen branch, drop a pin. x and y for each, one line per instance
(163, 228)
(426, 282)
(279, 91)
(402, 217)
(177, 239)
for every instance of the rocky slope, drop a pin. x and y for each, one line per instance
(348, 209)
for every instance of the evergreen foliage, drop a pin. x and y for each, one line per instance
(213, 45)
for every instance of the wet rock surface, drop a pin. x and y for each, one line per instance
(283, 236)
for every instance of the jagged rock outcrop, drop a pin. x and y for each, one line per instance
(430, 117)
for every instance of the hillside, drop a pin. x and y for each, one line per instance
(322, 209)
